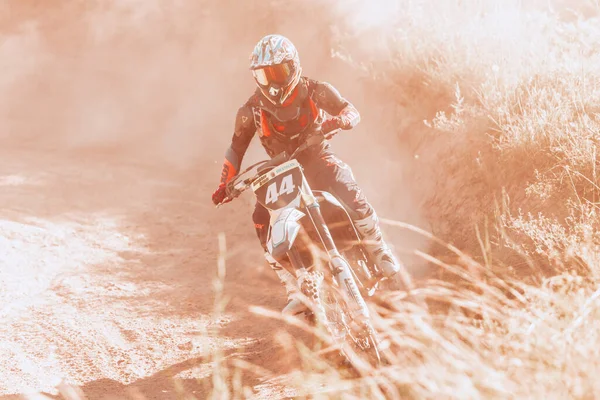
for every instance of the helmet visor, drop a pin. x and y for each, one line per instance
(279, 74)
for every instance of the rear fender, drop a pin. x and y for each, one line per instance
(284, 230)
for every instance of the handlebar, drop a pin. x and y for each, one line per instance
(234, 188)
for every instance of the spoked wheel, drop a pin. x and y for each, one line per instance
(366, 346)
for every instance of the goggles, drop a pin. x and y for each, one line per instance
(279, 74)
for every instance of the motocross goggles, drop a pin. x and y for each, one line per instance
(279, 74)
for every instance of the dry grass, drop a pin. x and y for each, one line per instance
(510, 97)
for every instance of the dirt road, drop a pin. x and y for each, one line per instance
(107, 276)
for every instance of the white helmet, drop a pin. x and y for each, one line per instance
(276, 67)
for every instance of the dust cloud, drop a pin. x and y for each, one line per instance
(162, 80)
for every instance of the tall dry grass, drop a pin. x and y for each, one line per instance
(499, 103)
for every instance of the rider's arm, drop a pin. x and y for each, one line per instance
(327, 98)
(242, 136)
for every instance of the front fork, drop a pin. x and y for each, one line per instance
(339, 266)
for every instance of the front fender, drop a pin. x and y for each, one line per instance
(283, 232)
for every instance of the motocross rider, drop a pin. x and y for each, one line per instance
(284, 109)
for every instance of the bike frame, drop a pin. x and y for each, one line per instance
(285, 193)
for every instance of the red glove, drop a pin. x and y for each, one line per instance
(219, 195)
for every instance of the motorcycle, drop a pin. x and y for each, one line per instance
(312, 235)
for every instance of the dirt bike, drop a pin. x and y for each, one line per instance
(308, 230)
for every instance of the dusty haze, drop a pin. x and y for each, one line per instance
(165, 79)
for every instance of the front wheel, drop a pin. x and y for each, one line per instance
(367, 345)
(351, 339)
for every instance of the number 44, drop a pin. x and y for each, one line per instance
(287, 187)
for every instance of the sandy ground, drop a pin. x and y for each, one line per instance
(107, 290)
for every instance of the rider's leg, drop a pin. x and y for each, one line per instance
(332, 174)
(261, 224)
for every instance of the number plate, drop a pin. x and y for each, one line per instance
(280, 186)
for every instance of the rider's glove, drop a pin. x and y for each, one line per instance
(220, 194)
(331, 124)
(349, 117)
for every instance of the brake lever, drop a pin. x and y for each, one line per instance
(329, 135)
(321, 137)
(230, 197)
(234, 192)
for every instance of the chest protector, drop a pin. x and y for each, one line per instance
(285, 127)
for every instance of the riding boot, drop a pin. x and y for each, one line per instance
(294, 305)
(375, 246)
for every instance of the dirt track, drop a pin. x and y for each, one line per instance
(115, 119)
(112, 290)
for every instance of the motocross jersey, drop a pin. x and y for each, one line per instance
(284, 128)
